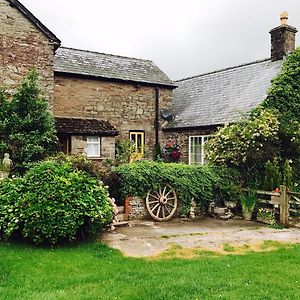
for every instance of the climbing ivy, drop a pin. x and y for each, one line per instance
(269, 131)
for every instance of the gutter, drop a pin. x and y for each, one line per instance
(156, 122)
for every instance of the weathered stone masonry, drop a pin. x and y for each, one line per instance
(127, 106)
(22, 47)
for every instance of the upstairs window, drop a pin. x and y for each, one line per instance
(138, 144)
(197, 150)
(93, 145)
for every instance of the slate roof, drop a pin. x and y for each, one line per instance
(84, 126)
(222, 96)
(52, 37)
(107, 66)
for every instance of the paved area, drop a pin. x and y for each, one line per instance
(148, 238)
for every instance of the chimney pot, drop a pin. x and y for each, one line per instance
(284, 18)
(282, 39)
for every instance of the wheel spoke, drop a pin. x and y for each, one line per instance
(153, 196)
(163, 212)
(158, 211)
(166, 207)
(169, 192)
(170, 204)
(159, 190)
(152, 202)
(164, 191)
(157, 205)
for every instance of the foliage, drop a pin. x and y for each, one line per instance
(195, 181)
(123, 152)
(270, 131)
(272, 175)
(287, 174)
(267, 214)
(245, 144)
(284, 95)
(171, 150)
(158, 154)
(26, 126)
(53, 201)
(248, 201)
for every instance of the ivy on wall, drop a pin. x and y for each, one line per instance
(270, 132)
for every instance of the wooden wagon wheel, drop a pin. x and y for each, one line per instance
(162, 203)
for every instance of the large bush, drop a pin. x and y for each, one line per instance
(203, 183)
(26, 126)
(246, 145)
(53, 201)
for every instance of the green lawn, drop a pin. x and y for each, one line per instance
(93, 271)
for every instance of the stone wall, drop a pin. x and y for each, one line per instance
(135, 209)
(22, 46)
(126, 106)
(78, 144)
(182, 137)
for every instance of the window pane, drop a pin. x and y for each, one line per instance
(93, 146)
(197, 149)
(92, 139)
(138, 140)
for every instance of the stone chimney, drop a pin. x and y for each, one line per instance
(282, 39)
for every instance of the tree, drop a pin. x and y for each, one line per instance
(27, 128)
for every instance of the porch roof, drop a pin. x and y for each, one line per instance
(84, 126)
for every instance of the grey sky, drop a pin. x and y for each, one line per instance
(183, 38)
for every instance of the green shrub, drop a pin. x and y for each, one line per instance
(10, 192)
(55, 201)
(27, 128)
(272, 175)
(199, 182)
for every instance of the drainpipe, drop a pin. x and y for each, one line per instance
(156, 122)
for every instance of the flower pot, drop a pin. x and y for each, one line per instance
(265, 220)
(247, 215)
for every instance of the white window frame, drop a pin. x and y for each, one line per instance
(202, 137)
(98, 143)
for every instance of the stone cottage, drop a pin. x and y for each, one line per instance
(94, 97)
(97, 98)
(205, 102)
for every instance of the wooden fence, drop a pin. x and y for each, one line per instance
(283, 200)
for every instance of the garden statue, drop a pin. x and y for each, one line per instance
(7, 162)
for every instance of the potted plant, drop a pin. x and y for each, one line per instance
(248, 201)
(266, 215)
(171, 151)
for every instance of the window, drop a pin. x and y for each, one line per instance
(196, 149)
(93, 146)
(65, 144)
(138, 144)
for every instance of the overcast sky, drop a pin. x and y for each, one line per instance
(183, 38)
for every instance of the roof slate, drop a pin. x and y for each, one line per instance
(223, 96)
(107, 66)
(79, 126)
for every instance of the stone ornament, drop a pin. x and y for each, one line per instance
(7, 162)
